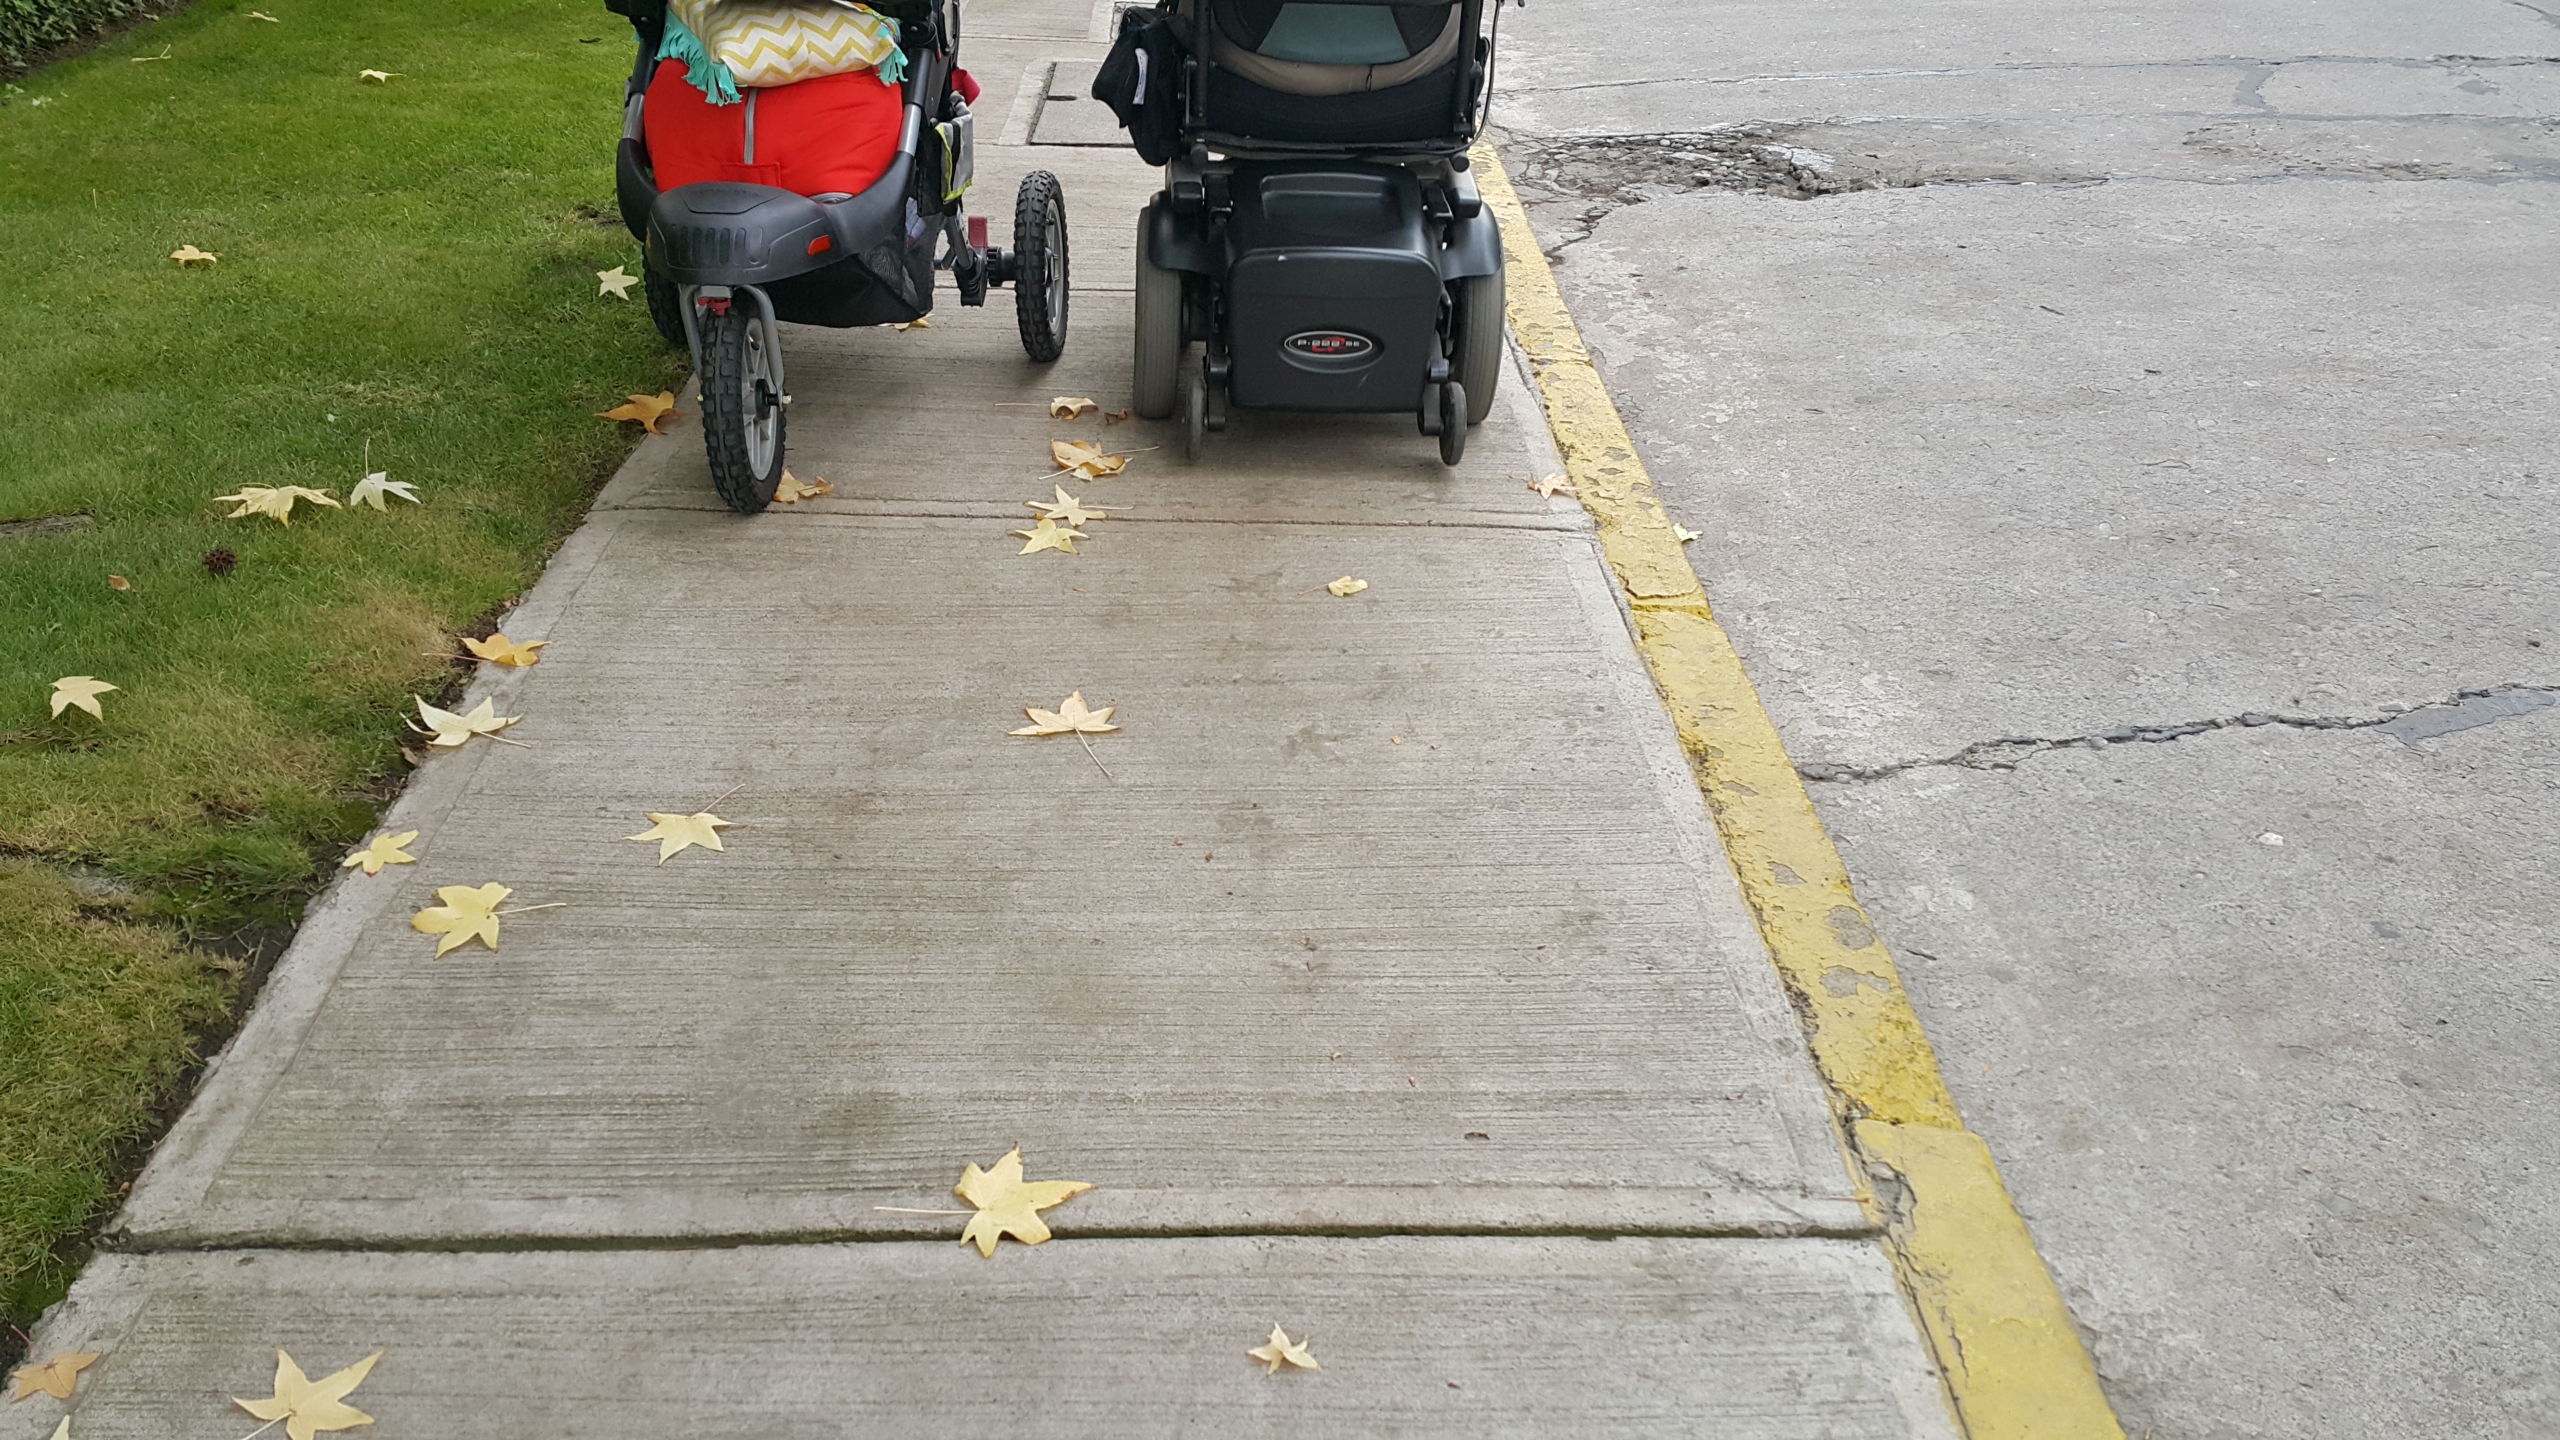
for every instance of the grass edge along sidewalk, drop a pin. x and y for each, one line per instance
(2014, 1365)
(405, 283)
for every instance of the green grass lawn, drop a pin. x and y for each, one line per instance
(408, 264)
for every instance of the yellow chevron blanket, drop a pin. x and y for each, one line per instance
(761, 43)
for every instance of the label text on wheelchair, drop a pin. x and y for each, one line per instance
(1330, 345)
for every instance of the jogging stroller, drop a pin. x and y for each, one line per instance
(833, 216)
(1318, 232)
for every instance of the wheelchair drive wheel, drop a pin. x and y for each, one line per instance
(1155, 376)
(1040, 265)
(741, 408)
(1479, 341)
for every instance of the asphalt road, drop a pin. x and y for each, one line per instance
(2123, 446)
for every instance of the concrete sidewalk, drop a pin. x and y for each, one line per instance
(1391, 986)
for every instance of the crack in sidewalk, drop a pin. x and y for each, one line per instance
(2466, 710)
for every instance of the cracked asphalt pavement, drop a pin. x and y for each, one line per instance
(2123, 447)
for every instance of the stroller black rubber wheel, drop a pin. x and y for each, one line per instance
(1155, 372)
(1040, 260)
(741, 411)
(1478, 306)
(666, 307)
(1453, 423)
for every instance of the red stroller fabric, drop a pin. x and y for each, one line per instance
(832, 135)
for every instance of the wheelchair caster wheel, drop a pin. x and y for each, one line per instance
(1195, 415)
(1453, 423)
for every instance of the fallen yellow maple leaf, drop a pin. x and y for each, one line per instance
(791, 491)
(55, 1377)
(1346, 586)
(187, 255)
(1046, 535)
(647, 409)
(1554, 485)
(615, 282)
(467, 914)
(1279, 1350)
(308, 1406)
(371, 489)
(381, 850)
(917, 324)
(674, 832)
(1087, 461)
(1066, 510)
(1008, 1204)
(1068, 407)
(80, 690)
(499, 650)
(1070, 718)
(449, 729)
(275, 500)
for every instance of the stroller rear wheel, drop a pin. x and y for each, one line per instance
(1040, 265)
(741, 409)
(666, 306)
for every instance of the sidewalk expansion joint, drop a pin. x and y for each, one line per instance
(2464, 710)
(1558, 524)
(1984, 1304)
(538, 1244)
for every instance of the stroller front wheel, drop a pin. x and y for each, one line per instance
(741, 409)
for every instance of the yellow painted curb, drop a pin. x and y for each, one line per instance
(2014, 1365)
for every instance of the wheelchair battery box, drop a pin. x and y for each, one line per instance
(1333, 289)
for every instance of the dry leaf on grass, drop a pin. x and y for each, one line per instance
(263, 15)
(308, 1406)
(1065, 511)
(791, 491)
(1046, 535)
(55, 1377)
(381, 850)
(499, 650)
(1008, 1204)
(1068, 407)
(1554, 485)
(449, 729)
(118, 582)
(1346, 587)
(647, 409)
(371, 489)
(1072, 717)
(1279, 1351)
(376, 77)
(468, 913)
(274, 500)
(1086, 461)
(187, 255)
(82, 691)
(674, 832)
(615, 282)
